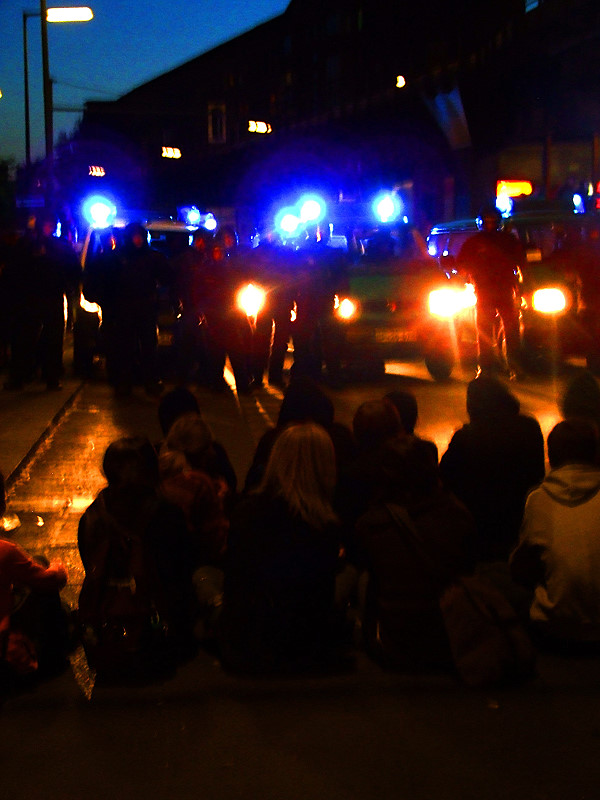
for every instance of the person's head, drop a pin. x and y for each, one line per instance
(305, 401)
(408, 470)
(582, 397)
(405, 404)
(174, 404)
(202, 240)
(488, 398)
(227, 237)
(130, 462)
(217, 253)
(190, 435)
(135, 236)
(46, 224)
(572, 441)
(489, 219)
(375, 421)
(302, 470)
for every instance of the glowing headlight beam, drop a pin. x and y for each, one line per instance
(251, 299)
(448, 302)
(346, 308)
(549, 301)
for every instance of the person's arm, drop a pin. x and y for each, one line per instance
(24, 570)
(526, 562)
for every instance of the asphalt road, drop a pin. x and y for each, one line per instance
(366, 734)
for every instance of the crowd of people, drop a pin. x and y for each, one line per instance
(340, 537)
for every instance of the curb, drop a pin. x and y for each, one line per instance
(12, 478)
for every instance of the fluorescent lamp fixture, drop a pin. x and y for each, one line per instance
(78, 14)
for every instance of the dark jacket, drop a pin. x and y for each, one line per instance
(491, 464)
(279, 588)
(403, 622)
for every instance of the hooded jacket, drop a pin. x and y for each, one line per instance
(560, 537)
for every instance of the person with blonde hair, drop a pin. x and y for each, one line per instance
(283, 553)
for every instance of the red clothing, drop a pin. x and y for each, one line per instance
(17, 567)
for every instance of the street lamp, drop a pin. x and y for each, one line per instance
(74, 14)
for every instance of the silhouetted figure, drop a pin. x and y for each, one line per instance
(303, 401)
(406, 406)
(491, 464)
(41, 272)
(278, 608)
(558, 555)
(130, 279)
(491, 258)
(414, 539)
(136, 602)
(33, 626)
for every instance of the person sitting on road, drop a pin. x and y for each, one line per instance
(491, 464)
(406, 405)
(558, 554)
(414, 539)
(33, 626)
(173, 405)
(136, 602)
(375, 422)
(303, 401)
(279, 598)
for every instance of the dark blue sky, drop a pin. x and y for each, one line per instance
(126, 44)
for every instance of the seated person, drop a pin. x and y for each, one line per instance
(135, 549)
(491, 464)
(35, 635)
(414, 539)
(280, 572)
(558, 554)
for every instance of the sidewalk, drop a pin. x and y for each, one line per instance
(27, 415)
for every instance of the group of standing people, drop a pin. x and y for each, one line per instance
(40, 278)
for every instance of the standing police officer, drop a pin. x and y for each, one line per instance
(492, 258)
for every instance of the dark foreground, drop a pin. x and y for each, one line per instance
(204, 733)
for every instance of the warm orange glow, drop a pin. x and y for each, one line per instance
(513, 188)
(171, 152)
(255, 126)
(79, 14)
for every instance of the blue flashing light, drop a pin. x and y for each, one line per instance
(579, 204)
(312, 209)
(210, 223)
(505, 204)
(387, 207)
(99, 211)
(190, 215)
(287, 221)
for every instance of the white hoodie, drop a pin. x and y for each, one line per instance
(562, 518)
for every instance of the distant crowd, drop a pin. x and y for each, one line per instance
(341, 537)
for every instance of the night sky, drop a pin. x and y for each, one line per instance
(126, 44)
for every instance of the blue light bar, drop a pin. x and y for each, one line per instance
(99, 211)
(387, 207)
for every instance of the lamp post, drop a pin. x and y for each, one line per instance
(74, 14)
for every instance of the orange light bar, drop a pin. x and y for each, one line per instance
(513, 188)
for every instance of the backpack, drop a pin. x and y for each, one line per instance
(488, 641)
(123, 628)
(489, 644)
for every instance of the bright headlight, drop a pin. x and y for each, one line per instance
(448, 302)
(345, 308)
(549, 301)
(251, 299)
